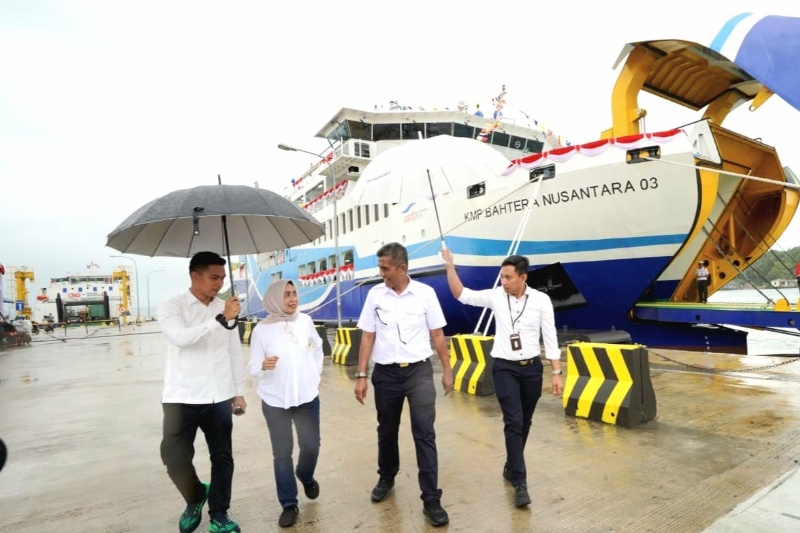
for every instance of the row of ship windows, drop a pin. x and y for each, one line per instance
(353, 219)
(392, 132)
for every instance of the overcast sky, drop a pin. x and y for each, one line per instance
(107, 104)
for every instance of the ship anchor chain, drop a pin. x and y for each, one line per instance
(715, 371)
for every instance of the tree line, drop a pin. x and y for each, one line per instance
(773, 265)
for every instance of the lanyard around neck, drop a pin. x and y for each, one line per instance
(514, 320)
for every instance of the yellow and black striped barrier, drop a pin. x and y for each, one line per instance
(346, 345)
(245, 330)
(471, 362)
(609, 383)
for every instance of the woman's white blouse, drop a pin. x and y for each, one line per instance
(296, 376)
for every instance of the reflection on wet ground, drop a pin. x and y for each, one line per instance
(82, 421)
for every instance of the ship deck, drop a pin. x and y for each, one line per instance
(82, 422)
(739, 314)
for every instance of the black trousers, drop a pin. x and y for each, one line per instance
(518, 389)
(177, 451)
(392, 386)
(702, 289)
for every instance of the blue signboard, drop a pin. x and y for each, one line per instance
(19, 305)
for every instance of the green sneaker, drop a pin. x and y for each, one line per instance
(223, 524)
(193, 514)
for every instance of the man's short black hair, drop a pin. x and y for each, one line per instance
(394, 251)
(202, 260)
(519, 262)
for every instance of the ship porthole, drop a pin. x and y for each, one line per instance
(422, 234)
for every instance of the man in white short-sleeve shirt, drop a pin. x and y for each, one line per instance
(399, 320)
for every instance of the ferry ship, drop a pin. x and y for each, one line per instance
(612, 223)
(89, 297)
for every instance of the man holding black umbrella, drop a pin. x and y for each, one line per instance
(203, 386)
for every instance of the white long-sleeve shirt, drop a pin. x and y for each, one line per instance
(527, 316)
(296, 376)
(204, 360)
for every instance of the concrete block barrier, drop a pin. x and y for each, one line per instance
(609, 383)
(323, 333)
(471, 362)
(246, 329)
(346, 345)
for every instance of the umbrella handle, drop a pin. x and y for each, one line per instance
(235, 324)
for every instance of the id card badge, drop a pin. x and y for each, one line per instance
(516, 343)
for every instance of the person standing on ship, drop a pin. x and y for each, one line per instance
(203, 387)
(522, 314)
(399, 320)
(701, 274)
(286, 359)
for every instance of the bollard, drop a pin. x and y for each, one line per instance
(471, 362)
(609, 383)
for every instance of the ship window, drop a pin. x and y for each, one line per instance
(385, 132)
(534, 147)
(500, 138)
(348, 257)
(413, 131)
(350, 218)
(311, 268)
(342, 227)
(358, 216)
(360, 150)
(341, 133)
(360, 130)
(439, 128)
(377, 213)
(517, 143)
(385, 210)
(301, 270)
(479, 189)
(366, 215)
(332, 261)
(330, 230)
(462, 130)
(323, 265)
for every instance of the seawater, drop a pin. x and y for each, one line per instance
(763, 342)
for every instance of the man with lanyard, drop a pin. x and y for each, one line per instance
(521, 314)
(399, 319)
(702, 282)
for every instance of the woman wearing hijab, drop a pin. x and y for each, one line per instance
(286, 359)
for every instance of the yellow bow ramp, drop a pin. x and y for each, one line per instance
(345, 347)
(609, 383)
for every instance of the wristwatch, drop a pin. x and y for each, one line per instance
(360, 375)
(558, 372)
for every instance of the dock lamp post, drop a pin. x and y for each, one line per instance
(138, 301)
(149, 310)
(335, 236)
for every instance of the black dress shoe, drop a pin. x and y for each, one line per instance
(311, 489)
(288, 516)
(381, 490)
(435, 514)
(521, 496)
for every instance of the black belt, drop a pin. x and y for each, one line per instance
(403, 365)
(522, 362)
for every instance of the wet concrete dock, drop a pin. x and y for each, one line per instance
(82, 422)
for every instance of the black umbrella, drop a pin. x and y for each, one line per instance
(227, 219)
